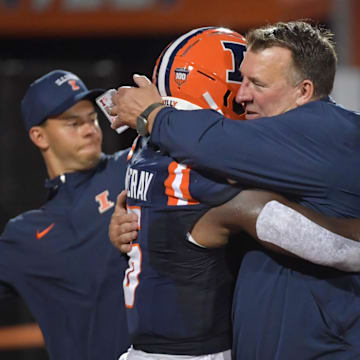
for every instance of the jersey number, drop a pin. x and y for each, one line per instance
(132, 273)
(131, 279)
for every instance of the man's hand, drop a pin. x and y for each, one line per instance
(129, 102)
(123, 225)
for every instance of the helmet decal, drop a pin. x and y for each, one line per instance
(237, 53)
(181, 75)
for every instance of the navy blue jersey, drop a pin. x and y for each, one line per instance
(60, 260)
(283, 308)
(178, 294)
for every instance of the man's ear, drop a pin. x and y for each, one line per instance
(38, 137)
(306, 92)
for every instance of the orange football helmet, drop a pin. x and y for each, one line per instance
(202, 67)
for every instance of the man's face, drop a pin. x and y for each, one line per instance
(74, 139)
(268, 87)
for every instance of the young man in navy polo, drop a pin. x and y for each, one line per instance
(58, 257)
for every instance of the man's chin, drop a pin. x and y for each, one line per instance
(90, 160)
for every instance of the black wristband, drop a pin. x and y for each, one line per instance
(142, 119)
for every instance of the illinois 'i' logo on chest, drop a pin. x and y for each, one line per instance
(104, 202)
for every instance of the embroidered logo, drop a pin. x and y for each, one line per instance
(104, 203)
(74, 85)
(41, 234)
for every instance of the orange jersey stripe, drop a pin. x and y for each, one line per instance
(185, 185)
(169, 190)
(177, 185)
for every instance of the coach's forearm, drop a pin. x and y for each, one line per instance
(262, 153)
(290, 230)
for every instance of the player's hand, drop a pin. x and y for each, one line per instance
(129, 102)
(123, 225)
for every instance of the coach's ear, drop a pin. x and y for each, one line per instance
(306, 92)
(38, 136)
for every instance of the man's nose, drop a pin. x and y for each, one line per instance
(90, 127)
(244, 93)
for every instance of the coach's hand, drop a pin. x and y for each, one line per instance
(129, 102)
(123, 225)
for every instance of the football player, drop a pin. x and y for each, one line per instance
(178, 294)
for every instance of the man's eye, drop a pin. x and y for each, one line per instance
(258, 84)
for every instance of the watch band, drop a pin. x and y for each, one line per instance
(149, 109)
(142, 119)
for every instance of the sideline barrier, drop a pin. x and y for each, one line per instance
(20, 337)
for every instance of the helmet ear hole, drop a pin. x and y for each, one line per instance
(237, 108)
